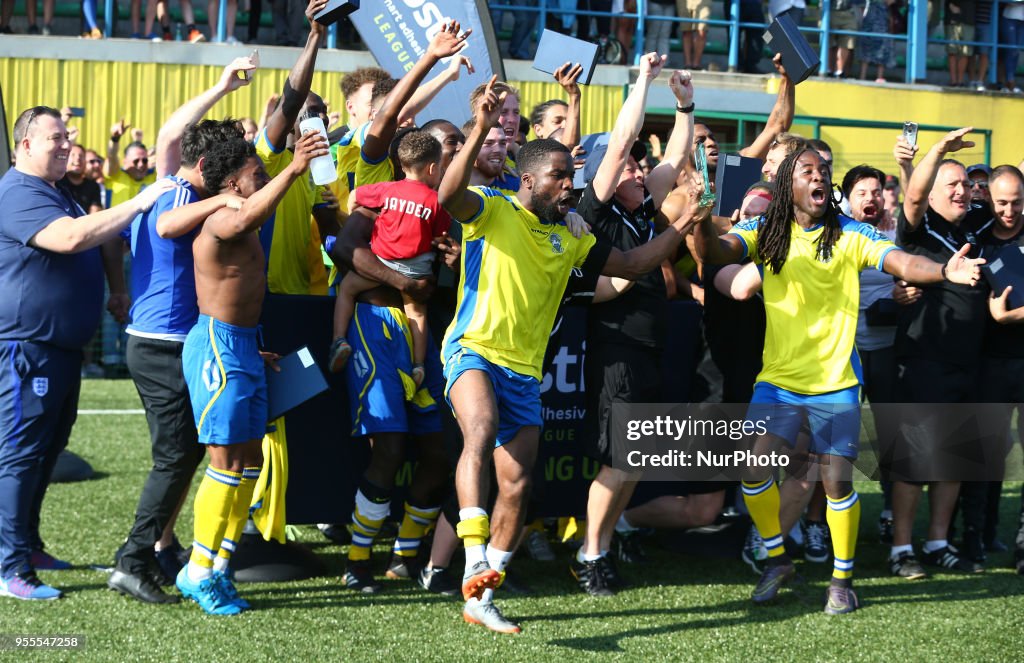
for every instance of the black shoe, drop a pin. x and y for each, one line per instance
(974, 548)
(170, 560)
(950, 558)
(138, 586)
(358, 577)
(337, 533)
(885, 531)
(590, 577)
(905, 565)
(627, 547)
(402, 568)
(439, 581)
(611, 572)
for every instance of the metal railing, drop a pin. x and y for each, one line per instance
(916, 40)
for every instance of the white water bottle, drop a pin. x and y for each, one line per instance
(322, 168)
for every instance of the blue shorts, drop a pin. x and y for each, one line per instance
(834, 418)
(382, 395)
(226, 382)
(518, 395)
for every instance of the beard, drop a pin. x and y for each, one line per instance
(546, 209)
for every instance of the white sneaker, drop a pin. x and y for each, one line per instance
(487, 614)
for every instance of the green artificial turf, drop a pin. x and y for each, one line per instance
(680, 608)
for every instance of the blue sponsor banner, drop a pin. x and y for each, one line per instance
(398, 33)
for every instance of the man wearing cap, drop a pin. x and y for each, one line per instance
(978, 174)
(625, 335)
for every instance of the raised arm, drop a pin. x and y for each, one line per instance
(168, 141)
(453, 194)
(626, 129)
(781, 118)
(904, 154)
(663, 178)
(915, 195)
(424, 94)
(229, 223)
(113, 162)
(567, 76)
(73, 235)
(296, 88)
(447, 42)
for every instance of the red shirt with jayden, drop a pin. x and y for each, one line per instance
(409, 218)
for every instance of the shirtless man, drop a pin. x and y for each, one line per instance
(221, 357)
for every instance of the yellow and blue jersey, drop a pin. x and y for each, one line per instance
(122, 187)
(514, 270)
(346, 156)
(373, 172)
(508, 181)
(812, 306)
(294, 266)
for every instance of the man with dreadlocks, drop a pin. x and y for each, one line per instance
(813, 256)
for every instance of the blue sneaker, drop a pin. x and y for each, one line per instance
(28, 587)
(206, 593)
(224, 580)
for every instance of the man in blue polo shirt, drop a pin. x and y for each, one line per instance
(51, 295)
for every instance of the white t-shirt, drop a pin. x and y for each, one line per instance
(1014, 11)
(776, 7)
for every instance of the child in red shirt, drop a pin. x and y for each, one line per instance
(408, 219)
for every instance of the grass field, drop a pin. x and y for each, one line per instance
(681, 607)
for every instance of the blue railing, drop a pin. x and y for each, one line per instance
(916, 39)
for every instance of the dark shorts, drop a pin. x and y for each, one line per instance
(616, 374)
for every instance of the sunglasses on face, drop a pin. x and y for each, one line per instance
(143, 160)
(980, 184)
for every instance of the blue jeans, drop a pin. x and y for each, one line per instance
(1011, 31)
(522, 28)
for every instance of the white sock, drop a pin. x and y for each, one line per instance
(581, 557)
(220, 564)
(471, 512)
(897, 550)
(932, 546)
(475, 554)
(887, 514)
(498, 559)
(623, 526)
(198, 573)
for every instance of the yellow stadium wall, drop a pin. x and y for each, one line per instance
(147, 93)
(1004, 115)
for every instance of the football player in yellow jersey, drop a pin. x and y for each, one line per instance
(813, 256)
(291, 267)
(516, 259)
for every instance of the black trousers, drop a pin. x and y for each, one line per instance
(155, 366)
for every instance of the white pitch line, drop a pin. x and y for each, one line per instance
(111, 412)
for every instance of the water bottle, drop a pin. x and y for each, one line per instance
(322, 168)
(177, 32)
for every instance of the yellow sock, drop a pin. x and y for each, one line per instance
(474, 531)
(214, 500)
(762, 500)
(239, 515)
(843, 516)
(367, 517)
(414, 525)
